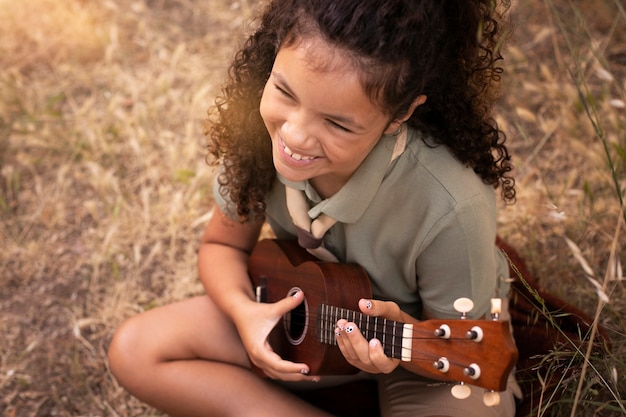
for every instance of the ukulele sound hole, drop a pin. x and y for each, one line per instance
(296, 322)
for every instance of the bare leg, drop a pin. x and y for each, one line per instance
(186, 359)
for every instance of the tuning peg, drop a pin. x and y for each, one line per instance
(463, 306)
(475, 333)
(491, 398)
(496, 308)
(461, 391)
(443, 331)
(473, 371)
(442, 364)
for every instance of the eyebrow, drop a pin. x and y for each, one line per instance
(347, 120)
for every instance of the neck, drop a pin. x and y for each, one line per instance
(328, 185)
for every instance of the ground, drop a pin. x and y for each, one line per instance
(104, 190)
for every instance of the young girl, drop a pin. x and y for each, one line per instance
(362, 127)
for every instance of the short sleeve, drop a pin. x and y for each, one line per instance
(461, 260)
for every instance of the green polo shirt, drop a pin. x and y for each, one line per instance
(422, 226)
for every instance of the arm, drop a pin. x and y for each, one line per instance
(222, 262)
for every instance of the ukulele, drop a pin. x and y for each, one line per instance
(476, 352)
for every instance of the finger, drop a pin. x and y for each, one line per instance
(277, 368)
(290, 302)
(344, 343)
(291, 376)
(378, 308)
(355, 345)
(380, 360)
(294, 372)
(342, 340)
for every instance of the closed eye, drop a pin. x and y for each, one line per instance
(338, 126)
(283, 92)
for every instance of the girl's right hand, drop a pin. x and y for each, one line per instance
(254, 326)
(225, 249)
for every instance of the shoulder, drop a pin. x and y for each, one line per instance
(434, 167)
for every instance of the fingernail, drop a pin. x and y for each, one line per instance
(373, 343)
(316, 379)
(368, 304)
(337, 334)
(349, 329)
(304, 371)
(295, 293)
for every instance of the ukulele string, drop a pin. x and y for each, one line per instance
(330, 321)
(324, 326)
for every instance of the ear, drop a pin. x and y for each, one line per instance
(395, 125)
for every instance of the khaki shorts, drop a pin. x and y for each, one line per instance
(404, 394)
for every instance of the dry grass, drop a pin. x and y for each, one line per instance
(104, 189)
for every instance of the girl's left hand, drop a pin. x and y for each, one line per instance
(366, 355)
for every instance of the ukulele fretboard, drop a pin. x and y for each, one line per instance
(395, 337)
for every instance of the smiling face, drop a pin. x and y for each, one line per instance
(321, 121)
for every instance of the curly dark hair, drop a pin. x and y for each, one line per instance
(447, 50)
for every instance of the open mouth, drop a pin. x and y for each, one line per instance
(294, 155)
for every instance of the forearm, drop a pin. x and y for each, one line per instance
(224, 275)
(223, 262)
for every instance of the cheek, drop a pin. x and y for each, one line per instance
(270, 108)
(264, 106)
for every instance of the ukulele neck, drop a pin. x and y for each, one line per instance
(396, 337)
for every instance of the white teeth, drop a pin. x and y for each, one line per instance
(297, 156)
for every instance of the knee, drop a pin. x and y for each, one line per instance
(127, 356)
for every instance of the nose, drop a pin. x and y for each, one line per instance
(297, 131)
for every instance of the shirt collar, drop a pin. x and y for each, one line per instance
(349, 203)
